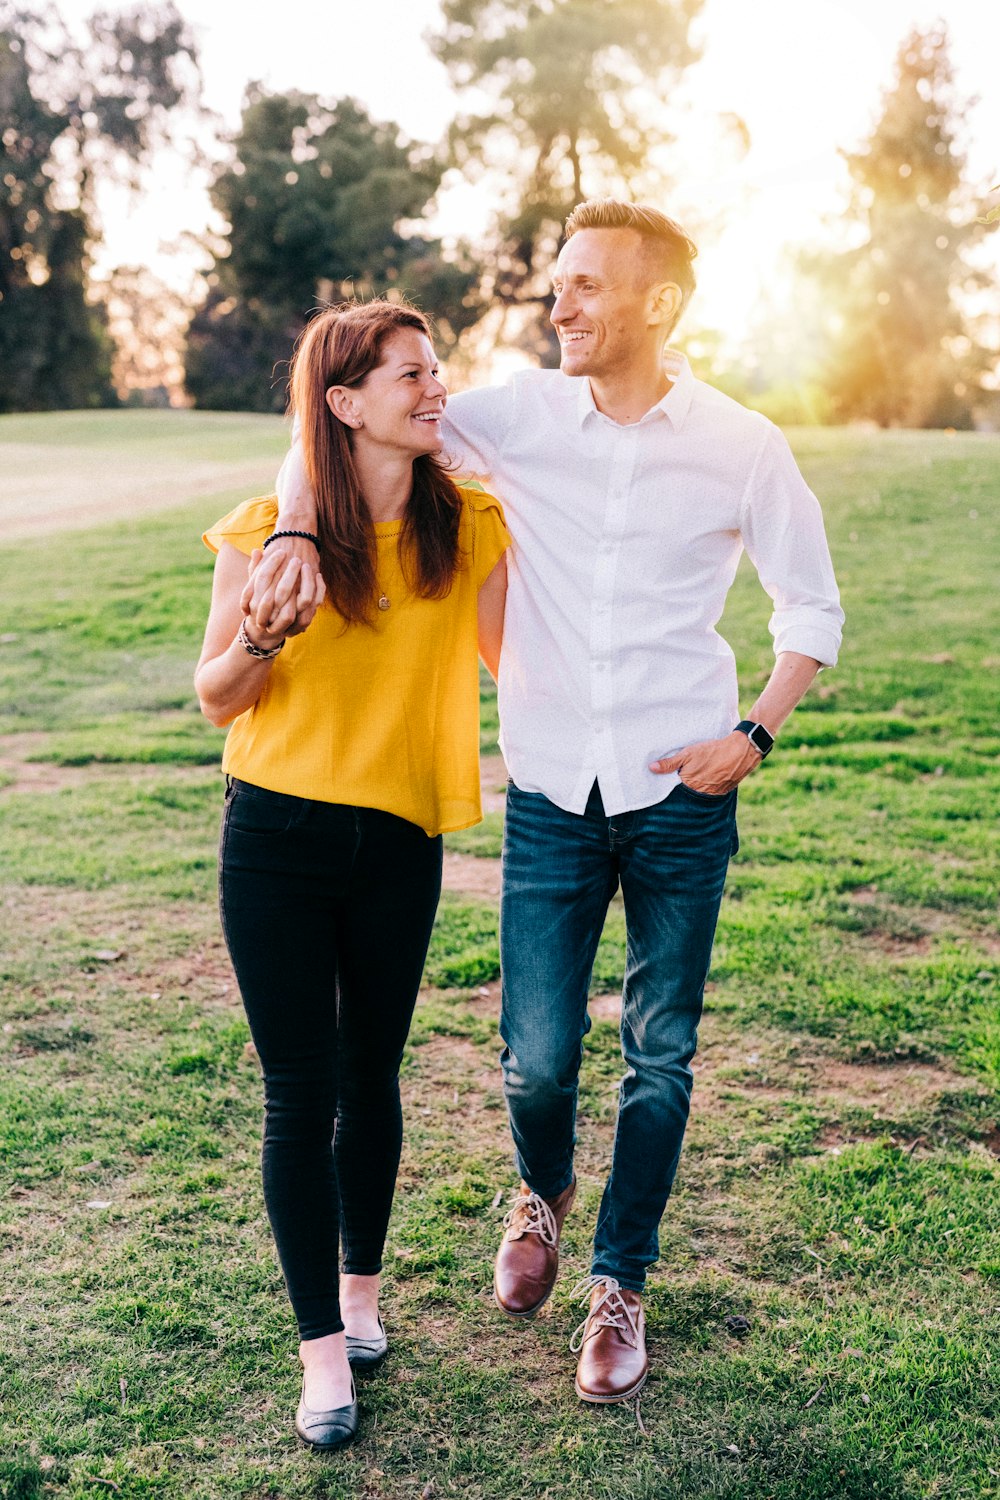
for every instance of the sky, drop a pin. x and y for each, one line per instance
(805, 78)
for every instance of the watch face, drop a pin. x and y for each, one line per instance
(760, 739)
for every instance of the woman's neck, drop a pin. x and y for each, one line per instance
(386, 481)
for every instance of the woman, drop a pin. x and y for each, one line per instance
(353, 747)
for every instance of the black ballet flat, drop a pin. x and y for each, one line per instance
(328, 1430)
(365, 1354)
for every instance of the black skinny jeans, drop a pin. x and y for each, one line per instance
(327, 911)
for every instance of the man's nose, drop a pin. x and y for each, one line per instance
(562, 308)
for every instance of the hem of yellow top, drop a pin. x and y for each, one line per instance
(333, 802)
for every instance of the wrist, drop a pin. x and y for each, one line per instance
(757, 734)
(296, 518)
(257, 643)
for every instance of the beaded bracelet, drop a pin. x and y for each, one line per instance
(262, 653)
(306, 536)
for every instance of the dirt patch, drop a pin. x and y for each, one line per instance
(451, 1077)
(44, 776)
(93, 960)
(605, 1007)
(876, 1083)
(446, 1060)
(50, 489)
(467, 875)
(900, 947)
(903, 931)
(772, 1065)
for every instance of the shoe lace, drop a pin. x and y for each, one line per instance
(609, 1311)
(530, 1214)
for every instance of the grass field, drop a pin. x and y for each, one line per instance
(824, 1316)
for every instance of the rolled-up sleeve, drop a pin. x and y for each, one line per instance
(783, 532)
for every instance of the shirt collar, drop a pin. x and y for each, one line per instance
(674, 405)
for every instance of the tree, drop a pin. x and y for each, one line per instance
(71, 112)
(315, 200)
(905, 352)
(147, 321)
(572, 86)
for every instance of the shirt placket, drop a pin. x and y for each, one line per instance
(624, 443)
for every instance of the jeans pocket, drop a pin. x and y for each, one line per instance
(255, 810)
(711, 797)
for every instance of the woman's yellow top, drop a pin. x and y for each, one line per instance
(383, 715)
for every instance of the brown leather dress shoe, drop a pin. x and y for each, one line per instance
(528, 1259)
(611, 1342)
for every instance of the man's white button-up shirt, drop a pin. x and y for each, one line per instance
(626, 541)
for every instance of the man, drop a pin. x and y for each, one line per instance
(630, 490)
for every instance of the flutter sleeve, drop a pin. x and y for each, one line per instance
(246, 527)
(490, 537)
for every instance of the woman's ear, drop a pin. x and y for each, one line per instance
(342, 401)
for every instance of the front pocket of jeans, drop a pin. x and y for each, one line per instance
(709, 797)
(262, 812)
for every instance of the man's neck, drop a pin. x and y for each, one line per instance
(628, 395)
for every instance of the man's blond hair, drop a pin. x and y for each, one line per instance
(671, 251)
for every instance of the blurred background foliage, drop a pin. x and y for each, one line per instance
(555, 101)
(71, 113)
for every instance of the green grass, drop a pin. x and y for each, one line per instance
(838, 1190)
(223, 436)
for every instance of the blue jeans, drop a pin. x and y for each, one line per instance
(560, 870)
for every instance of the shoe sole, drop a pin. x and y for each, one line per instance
(610, 1400)
(326, 1447)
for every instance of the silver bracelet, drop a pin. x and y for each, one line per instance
(259, 652)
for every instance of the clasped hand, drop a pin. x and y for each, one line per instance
(283, 591)
(713, 767)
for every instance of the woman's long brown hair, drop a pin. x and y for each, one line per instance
(340, 347)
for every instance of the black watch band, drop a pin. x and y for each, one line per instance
(758, 736)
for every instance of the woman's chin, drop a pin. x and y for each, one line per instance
(431, 442)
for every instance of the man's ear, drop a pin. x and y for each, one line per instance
(343, 402)
(666, 301)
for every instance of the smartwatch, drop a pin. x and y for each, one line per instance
(758, 736)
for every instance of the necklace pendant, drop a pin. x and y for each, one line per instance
(383, 602)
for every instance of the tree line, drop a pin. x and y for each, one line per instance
(320, 201)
